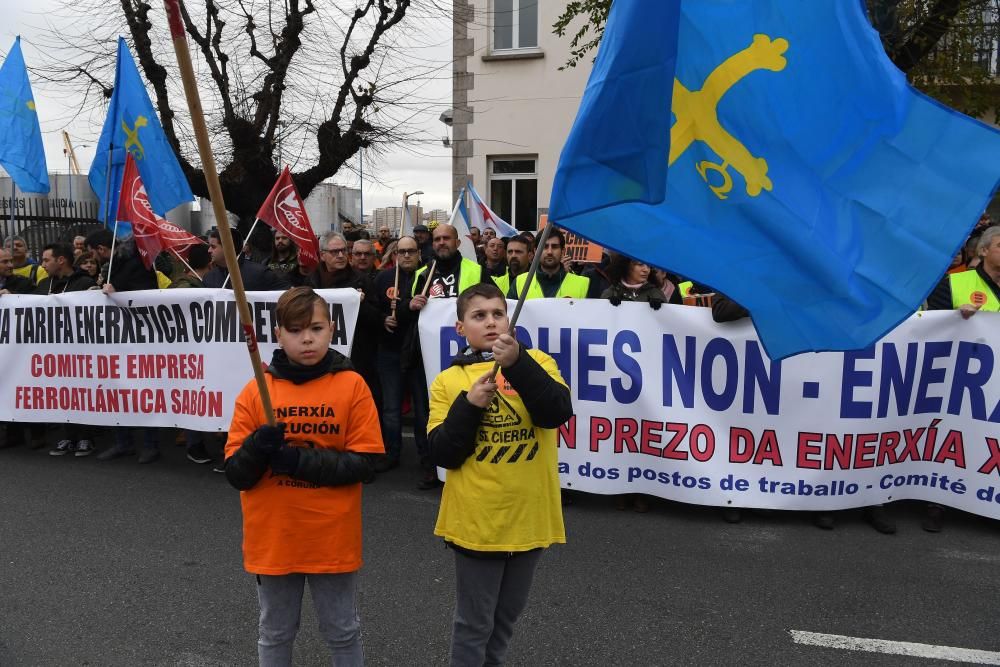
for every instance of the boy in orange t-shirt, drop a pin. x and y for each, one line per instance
(300, 482)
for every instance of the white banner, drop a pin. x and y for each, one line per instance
(672, 404)
(152, 358)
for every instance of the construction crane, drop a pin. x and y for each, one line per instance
(74, 166)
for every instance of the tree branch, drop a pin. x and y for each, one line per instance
(926, 35)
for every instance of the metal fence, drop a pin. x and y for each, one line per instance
(43, 221)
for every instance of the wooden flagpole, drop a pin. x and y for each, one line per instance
(179, 38)
(430, 277)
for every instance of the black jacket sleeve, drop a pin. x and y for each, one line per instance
(246, 466)
(454, 440)
(332, 467)
(940, 297)
(725, 309)
(548, 402)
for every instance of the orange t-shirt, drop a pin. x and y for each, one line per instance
(290, 525)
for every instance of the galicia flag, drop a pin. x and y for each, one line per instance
(481, 216)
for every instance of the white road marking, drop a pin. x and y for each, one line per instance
(958, 554)
(951, 653)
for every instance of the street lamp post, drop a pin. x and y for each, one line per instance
(406, 209)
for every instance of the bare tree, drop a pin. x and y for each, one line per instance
(314, 80)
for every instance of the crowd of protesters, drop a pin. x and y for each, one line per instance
(386, 349)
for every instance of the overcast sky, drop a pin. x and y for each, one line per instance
(426, 166)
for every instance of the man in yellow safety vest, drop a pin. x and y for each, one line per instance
(552, 279)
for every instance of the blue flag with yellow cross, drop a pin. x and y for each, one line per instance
(22, 153)
(132, 126)
(808, 180)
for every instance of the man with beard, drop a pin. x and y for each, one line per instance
(452, 272)
(399, 368)
(256, 277)
(520, 252)
(494, 264)
(334, 272)
(285, 260)
(383, 241)
(552, 279)
(423, 236)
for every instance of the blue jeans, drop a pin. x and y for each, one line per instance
(335, 601)
(393, 386)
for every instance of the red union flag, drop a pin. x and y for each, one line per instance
(134, 207)
(284, 211)
(152, 233)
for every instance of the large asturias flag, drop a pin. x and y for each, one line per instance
(22, 153)
(133, 127)
(808, 180)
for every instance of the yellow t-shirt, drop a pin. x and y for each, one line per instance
(505, 497)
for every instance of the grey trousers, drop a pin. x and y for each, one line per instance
(491, 594)
(335, 601)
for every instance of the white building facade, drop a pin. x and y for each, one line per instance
(512, 106)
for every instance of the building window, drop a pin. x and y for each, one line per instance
(515, 24)
(514, 191)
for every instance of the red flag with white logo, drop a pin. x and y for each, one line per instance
(152, 233)
(284, 211)
(134, 207)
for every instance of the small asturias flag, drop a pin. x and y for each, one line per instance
(132, 127)
(284, 211)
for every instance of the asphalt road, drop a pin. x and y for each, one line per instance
(121, 564)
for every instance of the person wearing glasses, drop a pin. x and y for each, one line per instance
(335, 271)
(363, 258)
(399, 365)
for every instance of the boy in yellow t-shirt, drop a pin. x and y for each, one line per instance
(300, 482)
(500, 506)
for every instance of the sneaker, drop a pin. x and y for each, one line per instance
(115, 452)
(934, 519)
(196, 454)
(879, 520)
(219, 467)
(84, 448)
(62, 448)
(148, 455)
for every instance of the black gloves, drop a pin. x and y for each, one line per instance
(285, 461)
(615, 300)
(267, 439)
(655, 303)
